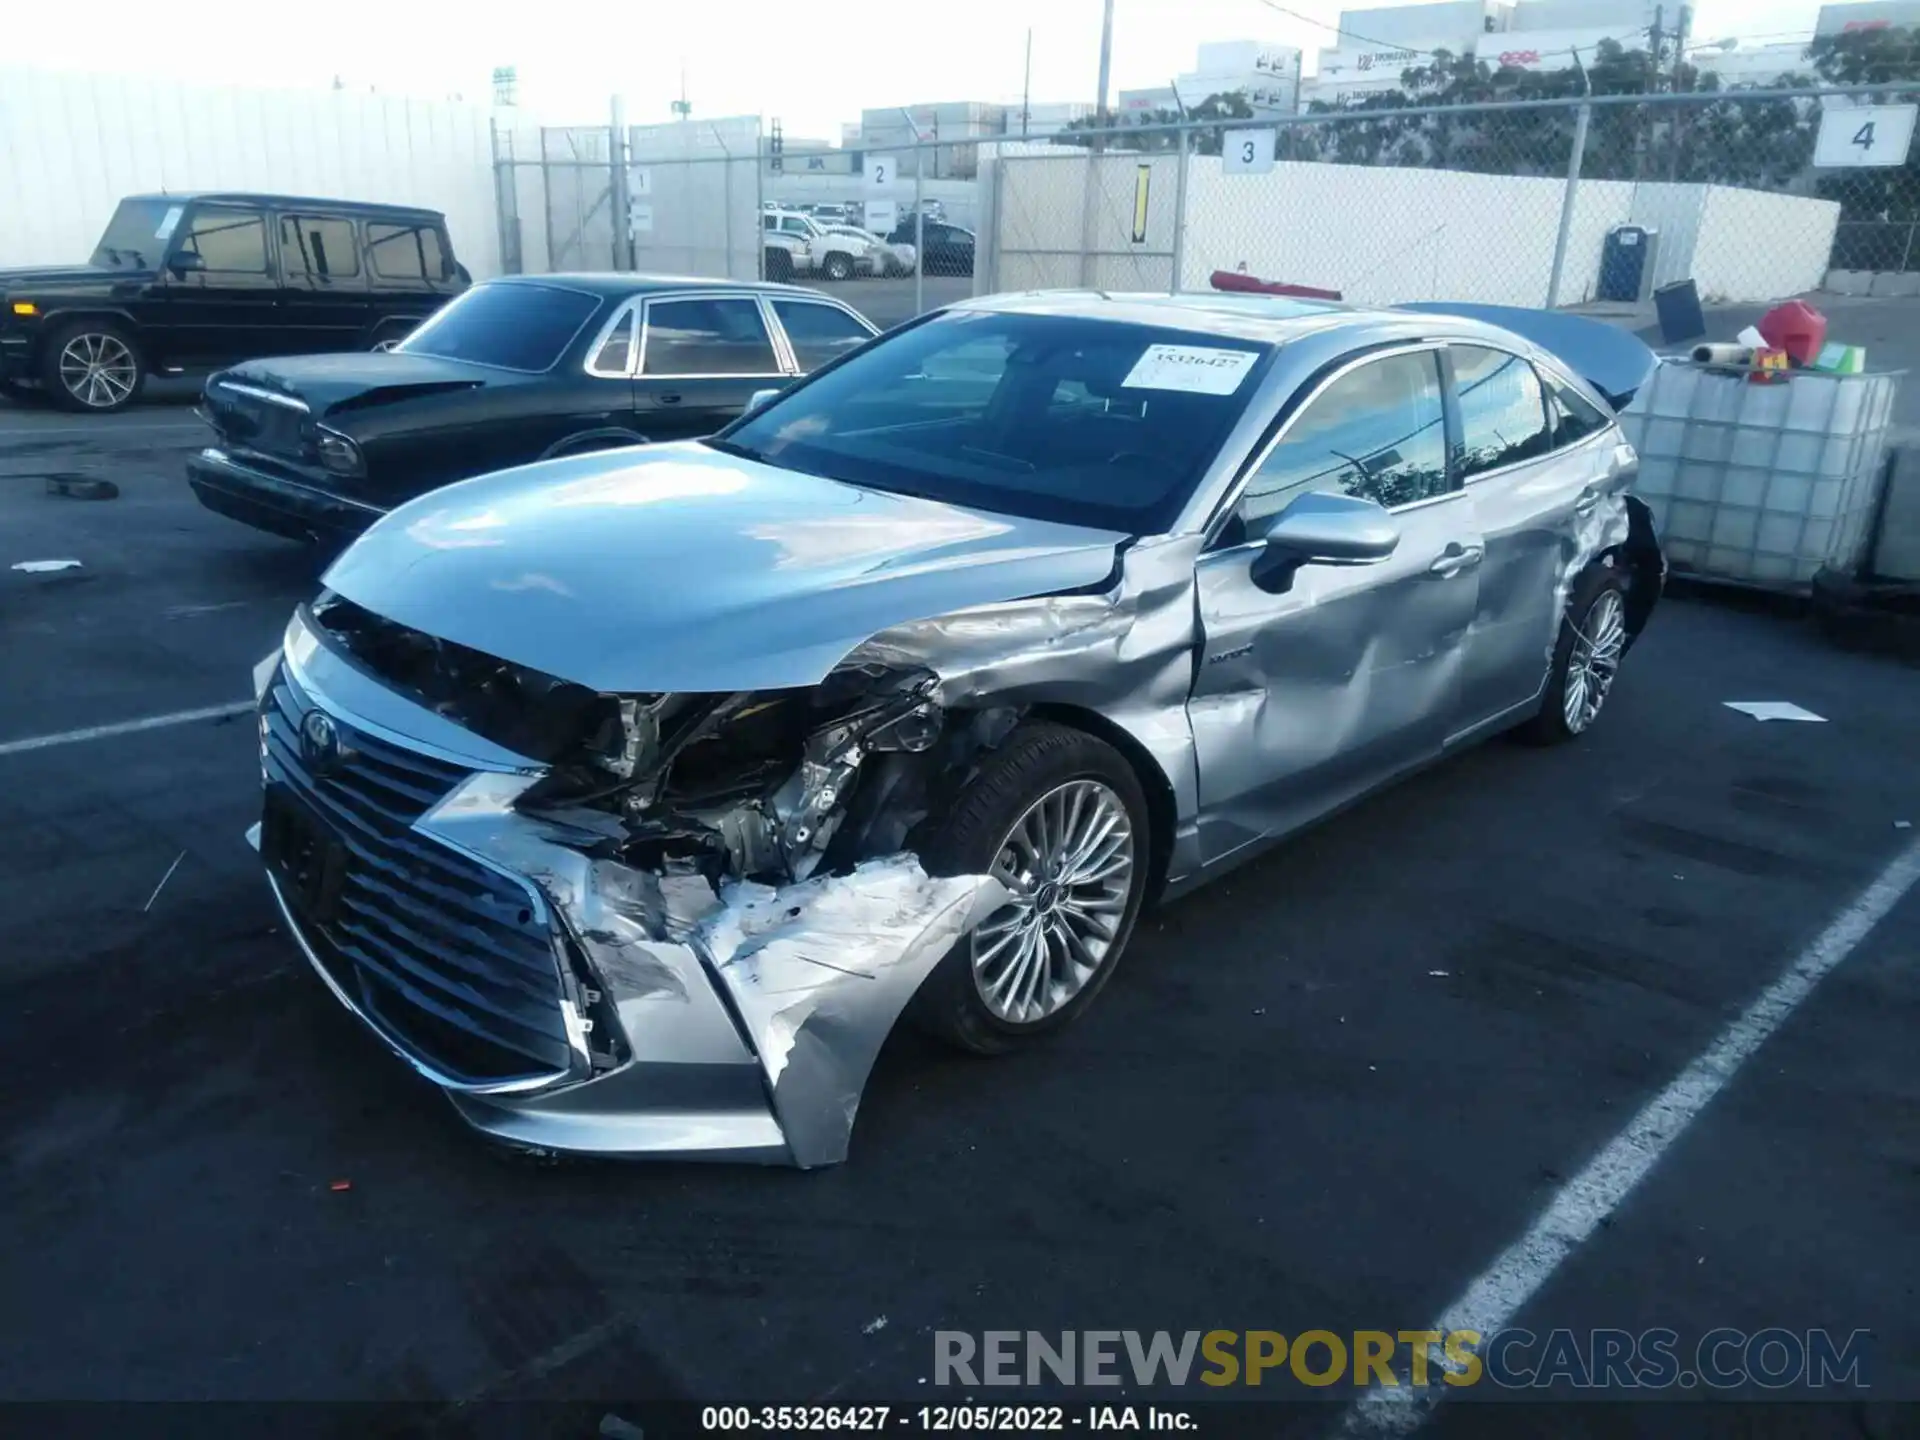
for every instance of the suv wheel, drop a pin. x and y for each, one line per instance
(779, 265)
(839, 266)
(1058, 817)
(92, 365)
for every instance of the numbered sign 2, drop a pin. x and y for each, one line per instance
(882, 171)
(1856, 135)
(1246, 152)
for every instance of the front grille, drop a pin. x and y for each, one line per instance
(261, 427)
(450, 958)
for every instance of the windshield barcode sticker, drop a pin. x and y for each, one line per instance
(1195, 368)
(168, 221)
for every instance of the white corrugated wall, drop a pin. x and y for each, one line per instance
(72, 144)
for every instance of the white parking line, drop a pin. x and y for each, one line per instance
(124, 727)
(1492, 1301)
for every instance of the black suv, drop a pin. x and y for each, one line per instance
(189, 282)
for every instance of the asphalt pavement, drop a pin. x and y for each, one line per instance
(1327, 1093)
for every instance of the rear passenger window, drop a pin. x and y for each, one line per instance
(1503, 415)
(616, 351)
(707, 337)
(311, 246)
(406, 252)
(1378, 432)
(818, 333)
(1572, 415)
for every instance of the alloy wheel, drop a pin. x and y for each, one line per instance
(1068, 862)
(1598, 642)
(98, 370)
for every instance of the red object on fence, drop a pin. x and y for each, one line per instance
(1253, 285)
(1797, 328)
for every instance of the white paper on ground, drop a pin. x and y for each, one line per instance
(41, 567)
(1197, 369)
(1774, 710)
(1752, 339)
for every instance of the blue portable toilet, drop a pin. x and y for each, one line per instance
(1626, 263)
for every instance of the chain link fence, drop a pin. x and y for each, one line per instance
(1752, 195)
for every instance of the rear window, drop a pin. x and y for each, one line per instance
(510, 327)
(407, 252)
(1086, 422)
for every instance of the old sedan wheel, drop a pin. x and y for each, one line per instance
(1058, 817)
(93, 367)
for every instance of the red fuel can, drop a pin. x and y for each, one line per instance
(1795, 327)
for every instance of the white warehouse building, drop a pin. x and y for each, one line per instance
(1376, 46)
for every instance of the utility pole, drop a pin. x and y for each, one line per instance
(1106, 70)
(1643, 141)
(1026, 86)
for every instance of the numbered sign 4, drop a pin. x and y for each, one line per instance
(1246, 152)
(1864, 135)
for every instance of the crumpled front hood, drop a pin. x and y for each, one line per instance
(678, 568)
(361, 380)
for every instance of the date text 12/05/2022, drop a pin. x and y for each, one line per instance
(941, 1419)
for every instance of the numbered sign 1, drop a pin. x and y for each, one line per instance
(639, 182)
(1855, 135)
(1246, 152)
(882, 171)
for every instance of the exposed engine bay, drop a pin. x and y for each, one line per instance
(771, 785)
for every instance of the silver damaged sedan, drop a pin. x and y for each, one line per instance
(633, 798)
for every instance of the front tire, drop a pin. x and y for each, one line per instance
(1586, 659)
(1059, 818)
(92, 366)
(839, 267)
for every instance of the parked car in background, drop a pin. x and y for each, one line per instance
(517, 369)
(189, 282)
(797, 244)
(912, 686)
(894, 259)
(944, 249)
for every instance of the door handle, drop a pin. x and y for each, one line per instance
(1457, 558)
(668, 399)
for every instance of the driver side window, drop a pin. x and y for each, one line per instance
(1378, 432)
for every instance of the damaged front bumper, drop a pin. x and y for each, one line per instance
(563, 1000)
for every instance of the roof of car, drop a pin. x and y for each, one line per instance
(1252, 317)
(605, 283)
(251, 197)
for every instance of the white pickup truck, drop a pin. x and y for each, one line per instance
(798, 244)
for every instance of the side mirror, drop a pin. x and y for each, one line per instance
(186, 262)
(1323, 529)
(761, 397)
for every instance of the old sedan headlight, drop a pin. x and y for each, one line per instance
(340, 455)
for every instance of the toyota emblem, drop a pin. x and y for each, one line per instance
(319, 742)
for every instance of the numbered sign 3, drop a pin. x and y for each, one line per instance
(1246, 152)
(1857, 135)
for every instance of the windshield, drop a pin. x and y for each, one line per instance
(138, 233)
(1085, 422)
(509, 327)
